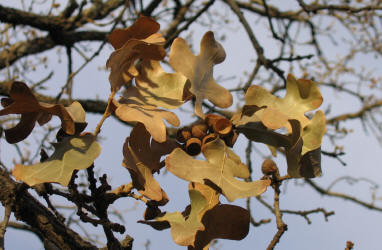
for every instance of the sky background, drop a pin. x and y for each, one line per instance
(363, 157)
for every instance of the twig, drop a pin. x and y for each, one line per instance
(252, 220)
(270, 22)
(354, 115)
(326, 192)
(106, 114)
(281, 226)
(255, 43)
(252, 76)
(305, 214)
(4, 224)
(176, 33)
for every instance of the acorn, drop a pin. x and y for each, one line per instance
(211, 119)
(199, 130)
(193, 146)
(269, 167)
(183, 134)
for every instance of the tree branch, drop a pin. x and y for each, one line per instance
(326, 192)
(25, 48)
(26, 208)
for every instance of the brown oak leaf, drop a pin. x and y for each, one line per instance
(22, 101)
(140, 41)
(142, 158)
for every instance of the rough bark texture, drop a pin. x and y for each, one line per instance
(27, 209)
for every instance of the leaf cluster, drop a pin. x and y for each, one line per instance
(147, 96)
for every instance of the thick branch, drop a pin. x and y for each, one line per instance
(333, 7)
(21, 49)
(27, 209)
(19, 17)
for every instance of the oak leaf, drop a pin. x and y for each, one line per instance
(204, 220)
(131, 109)
(223, 221)
(184, 228)
(72, 153)
(142, 28)
(142, 158)
(159, 88)
(140, 41)
(303, 160)
(221, 168)
(199, 70)
(77, 112)
(22, 101)
(274, 112)
(303, 152)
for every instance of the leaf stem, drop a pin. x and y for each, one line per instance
(106, 114)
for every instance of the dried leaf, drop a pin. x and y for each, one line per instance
(22, 101)
(77, 112)
(158, 88)
(273, 112)
(73, 153)
(301, 96)
(142, 158)
(132, 109)
(221, 168)
(204, 220)
(223, 222)
(136, 42)
(199, 70)
(184, 227)
(211, 195)
(142, 28)
(301, 161)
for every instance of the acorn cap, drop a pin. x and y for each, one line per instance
(223, 126)
(208, 138)
(193, 146)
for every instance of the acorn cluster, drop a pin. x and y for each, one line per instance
(194, 137)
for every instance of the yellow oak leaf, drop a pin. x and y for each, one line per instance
(204, 219)
(199, 70)
(72, 153)
(132, 109)
(159, 88)
(274, 112)
(304, 151)
(221, 168)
